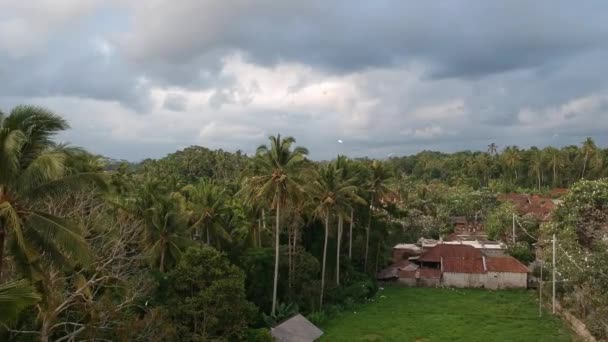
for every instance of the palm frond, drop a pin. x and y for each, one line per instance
(65, 233)
(14, 297)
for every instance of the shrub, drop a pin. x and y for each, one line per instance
(259, 335)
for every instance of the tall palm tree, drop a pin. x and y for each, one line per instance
(536, 165)
(349, 169)
(587, 150)
(377, 185)
(512, 159)
(331, 194)
(555, 159)
(206, 203)
(493, 149)
(33, 167)
(278, 181)
(14, 297)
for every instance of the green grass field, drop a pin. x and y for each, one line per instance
(435, 314)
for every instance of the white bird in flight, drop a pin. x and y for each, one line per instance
(340, 141)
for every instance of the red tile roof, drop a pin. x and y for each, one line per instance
(505, 264)
(435, 254)
(460, 265)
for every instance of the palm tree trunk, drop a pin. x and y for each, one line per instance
(2, 237)
(162, 257)
(339, 238)
(584, 165)
(289, 260)
(554, 172)
(369, 224)
(264, 219)
(350, 234)
(324, 260)
(208, 237)
(276, 256)
(259, 241)
(377, 256)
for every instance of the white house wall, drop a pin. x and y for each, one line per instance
(504, 280)
(463, 279)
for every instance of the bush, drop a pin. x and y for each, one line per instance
(596, 326)
(318, 317)
(259, 335)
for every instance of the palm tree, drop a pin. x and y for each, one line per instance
(14, 297)
(512, 159)
(377, 185)
(536, 165)
(278, 181)
(587, 150)
(556, 161)
(349, 170)
(33, 167)
(206, 203)
(165, 223)
(493, 149)
(331, 193)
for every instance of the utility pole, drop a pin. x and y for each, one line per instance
(554, 273)
(513, 229)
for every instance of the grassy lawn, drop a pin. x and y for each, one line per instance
(434, 314)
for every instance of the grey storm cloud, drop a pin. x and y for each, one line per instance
(429, 75)
(457, 38)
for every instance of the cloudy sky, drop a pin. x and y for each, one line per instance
(141, 79)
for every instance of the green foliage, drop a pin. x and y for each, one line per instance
(14, 297)
(522, 251)
(208, 298)
(259, 335)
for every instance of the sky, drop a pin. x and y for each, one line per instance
(140, 79)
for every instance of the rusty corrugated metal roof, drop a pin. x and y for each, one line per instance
(505, 264)
(463, 265)
(435, 254)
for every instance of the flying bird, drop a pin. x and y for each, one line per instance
(340, 141)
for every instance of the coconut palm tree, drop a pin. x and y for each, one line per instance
(555, 159)
(14, 297)
(165, 224)
(349, 169)
(493, 149)
(511, 158)
(277, 180)
(377, 185)
(331, 194)
(536, 165)
(587, 150)
(33, 167)
(206, 205)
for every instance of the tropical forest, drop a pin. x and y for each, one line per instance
(210, 245)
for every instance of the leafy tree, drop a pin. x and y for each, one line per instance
(208, 299)
(277, 181)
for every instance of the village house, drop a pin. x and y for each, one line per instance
(458, 265)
